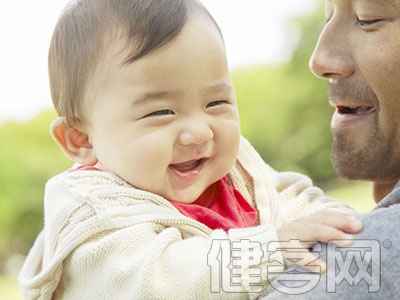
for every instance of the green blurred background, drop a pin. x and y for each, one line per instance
(284, 113)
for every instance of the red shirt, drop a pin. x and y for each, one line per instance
(220, 207)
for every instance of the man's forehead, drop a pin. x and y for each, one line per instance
(377, 2)
(393, 4)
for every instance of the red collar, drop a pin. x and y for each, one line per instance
(220, 207)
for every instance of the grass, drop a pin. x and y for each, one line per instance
(356, 194)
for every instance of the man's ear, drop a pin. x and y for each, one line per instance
(73, 142)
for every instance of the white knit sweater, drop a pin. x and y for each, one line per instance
(104, 239)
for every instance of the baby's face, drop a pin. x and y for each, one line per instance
(168, 122)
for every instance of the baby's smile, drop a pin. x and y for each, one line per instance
(188, 169)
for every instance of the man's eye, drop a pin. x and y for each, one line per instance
(216, 103)
(162, 112)
(364, 23)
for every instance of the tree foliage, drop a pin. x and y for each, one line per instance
(28, 158)
(284, 109)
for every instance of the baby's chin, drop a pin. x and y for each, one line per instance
(182, 194)
(187, 197)
(186, 200)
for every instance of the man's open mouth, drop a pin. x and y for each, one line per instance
(356, 110)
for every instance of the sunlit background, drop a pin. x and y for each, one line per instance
(283, 107)
(255, 31)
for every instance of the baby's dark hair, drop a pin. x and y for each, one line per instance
(87, 28)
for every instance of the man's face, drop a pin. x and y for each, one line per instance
(359, 53)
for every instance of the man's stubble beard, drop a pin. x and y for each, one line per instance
(374, 161)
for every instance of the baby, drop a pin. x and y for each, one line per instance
(149, 115)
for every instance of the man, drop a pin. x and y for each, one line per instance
(358, 53)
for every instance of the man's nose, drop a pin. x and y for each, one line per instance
(332, 56)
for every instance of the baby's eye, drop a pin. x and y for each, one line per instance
(162, 112)
(216, 103)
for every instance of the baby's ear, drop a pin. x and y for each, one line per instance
(73, 142)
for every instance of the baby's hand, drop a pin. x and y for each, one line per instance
(319, 227)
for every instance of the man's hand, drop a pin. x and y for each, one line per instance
(319, 227)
